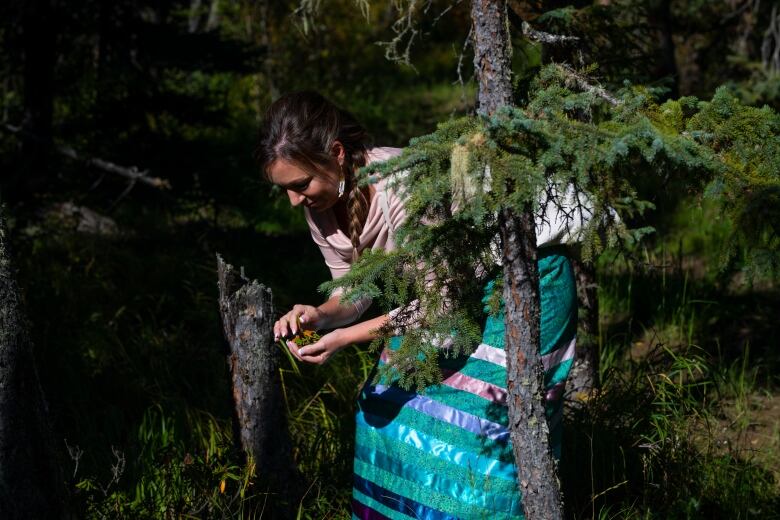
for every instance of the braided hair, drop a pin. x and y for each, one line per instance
(302, 127)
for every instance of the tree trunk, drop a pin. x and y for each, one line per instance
(770, 45)
(584, 377)
(661, 19)
(31, 480)
(492, 55)
(213, 19)
(247, 318)
(536, 470)
(264, 13)
(193, 20)
(38, 44)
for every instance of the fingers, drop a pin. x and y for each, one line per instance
(293, 348)
(309, 317)
(282, 327)
(312, 350)
(288, 325)
(316, 354)
(295, 314)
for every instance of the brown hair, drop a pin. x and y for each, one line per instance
(301, 127)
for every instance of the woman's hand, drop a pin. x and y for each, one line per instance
(318, 353)
(300, 317)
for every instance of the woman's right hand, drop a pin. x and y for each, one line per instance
(301, 316)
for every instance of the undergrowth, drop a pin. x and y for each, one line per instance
(132, 359)
(676, 357)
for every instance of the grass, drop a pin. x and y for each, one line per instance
(686, 425)
(669, 435)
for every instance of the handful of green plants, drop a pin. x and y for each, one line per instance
(305, 337)
(302, 338)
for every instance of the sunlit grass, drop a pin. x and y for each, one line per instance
(673, 433)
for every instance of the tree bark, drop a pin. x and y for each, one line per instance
(193, 20)
(213, 20)
(264, 13)
(536, 471)
(529, 432)
(584, 377)
(38, 44)
(31, 480)
(247, 318)
(492, 54)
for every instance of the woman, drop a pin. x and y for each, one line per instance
(444, 453)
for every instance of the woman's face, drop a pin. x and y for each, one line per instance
(317, 191)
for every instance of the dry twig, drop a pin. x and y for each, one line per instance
(544, 37)
(132, 173)
(574, 78)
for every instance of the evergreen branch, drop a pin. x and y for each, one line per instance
(456, 181)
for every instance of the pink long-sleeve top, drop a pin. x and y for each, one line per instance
(385, 214)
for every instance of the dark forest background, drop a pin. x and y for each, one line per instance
(117, 261)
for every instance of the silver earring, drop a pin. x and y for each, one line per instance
(341, 186)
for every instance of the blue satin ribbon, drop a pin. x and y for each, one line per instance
(458, 491)
(438, 448)
(440, 411)
(366, 508)
(398, 502)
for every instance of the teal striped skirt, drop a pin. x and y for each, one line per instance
(446, 453)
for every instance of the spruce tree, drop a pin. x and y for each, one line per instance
(473, 178)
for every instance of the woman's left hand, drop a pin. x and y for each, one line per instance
(318, 353)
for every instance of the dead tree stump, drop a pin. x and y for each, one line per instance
(247, 318)
(31, 478)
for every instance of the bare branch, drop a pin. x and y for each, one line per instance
(581, 82)
(445, 11)
(459, 69)
(75, 454)
(404, 28)
(308, 10)
(544, 37)
(770, 47)
(132, 173)
(117, 469)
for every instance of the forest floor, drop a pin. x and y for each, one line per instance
(751, 426)
(746, 415)
(687, 425)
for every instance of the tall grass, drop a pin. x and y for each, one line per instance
(129, 343)
(651, 443)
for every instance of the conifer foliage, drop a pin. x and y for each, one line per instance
(586, 153)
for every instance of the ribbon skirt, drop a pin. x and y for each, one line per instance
(446, 453)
